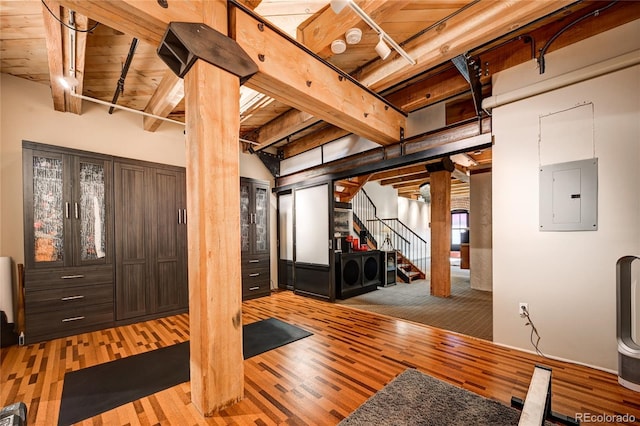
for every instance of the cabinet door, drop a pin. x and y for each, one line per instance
(169, 286)
(132, 256)
(46, 209)
(91, 211)
(246, 216)
(260, 228)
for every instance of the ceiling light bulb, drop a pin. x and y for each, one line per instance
(353, 36)
(338, 5)
(338, 46)
(382, 49)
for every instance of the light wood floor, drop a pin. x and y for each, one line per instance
(317, 380)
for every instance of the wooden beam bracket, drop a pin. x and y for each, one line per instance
(185, 42)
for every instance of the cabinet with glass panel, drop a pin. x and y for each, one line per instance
(254, 238)
(68, 241)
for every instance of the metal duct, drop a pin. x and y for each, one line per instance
(601, 68)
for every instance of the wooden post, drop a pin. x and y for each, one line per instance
(440, 233)
(213, 203)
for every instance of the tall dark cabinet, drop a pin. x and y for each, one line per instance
(105, 241)
(68, 231)
(151, 240)
(254, 239)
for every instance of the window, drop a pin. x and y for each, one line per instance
(459, 228)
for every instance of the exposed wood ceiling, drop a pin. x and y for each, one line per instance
(497, 34)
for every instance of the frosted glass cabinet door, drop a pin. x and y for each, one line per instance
(66, 209)
(260, 219)
(90, 211)
(245, 217)
(47, 240)
(254, 216)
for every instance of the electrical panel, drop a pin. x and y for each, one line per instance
(569, 196)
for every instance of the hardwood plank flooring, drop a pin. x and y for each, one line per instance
(318, 380)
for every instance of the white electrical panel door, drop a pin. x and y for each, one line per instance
(569, 196)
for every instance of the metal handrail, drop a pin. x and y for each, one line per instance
(392, 231)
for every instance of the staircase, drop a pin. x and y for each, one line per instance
(411, 248)
(407, 270)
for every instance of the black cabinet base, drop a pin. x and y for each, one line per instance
(357, 291)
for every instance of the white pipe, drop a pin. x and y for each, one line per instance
(601, 68)
(109, 104)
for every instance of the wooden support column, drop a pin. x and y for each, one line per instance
(440, 233)
(213, 196)
(212, 98)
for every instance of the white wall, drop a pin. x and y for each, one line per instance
(385, 198)
(568, 278)
(416, 215)
(26, 112)
(480, 231)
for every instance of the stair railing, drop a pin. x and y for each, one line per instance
(364, 211)
(416, 248)
(393, 231)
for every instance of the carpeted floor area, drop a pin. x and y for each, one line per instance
(467, 311)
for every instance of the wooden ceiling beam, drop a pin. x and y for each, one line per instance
(285, 124)
(166, 97)
(405, 178)
(58, 54)
(286, 72)
(145, 20)
(291, 75)
(445, 82)
(480, 23)
(55, 52)
(401, 171)
(73, 103)
(306, 143)
(170, 92)
(317, 32)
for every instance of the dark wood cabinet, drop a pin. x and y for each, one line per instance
(254, 238)
(151, 240)
(68, 231)
(105, 241)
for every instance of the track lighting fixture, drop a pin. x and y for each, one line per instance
(382, 49)
(338, 5)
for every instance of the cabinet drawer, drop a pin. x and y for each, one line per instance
(254, 275)
(68, 297)
(68, 321)
(47, 279)
(255, 289)
(255, 261)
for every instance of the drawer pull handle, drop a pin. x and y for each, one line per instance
(72, 319)
(254, 261)
(255, 275)
(72, 298)
(254, 288)
(71, 277)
